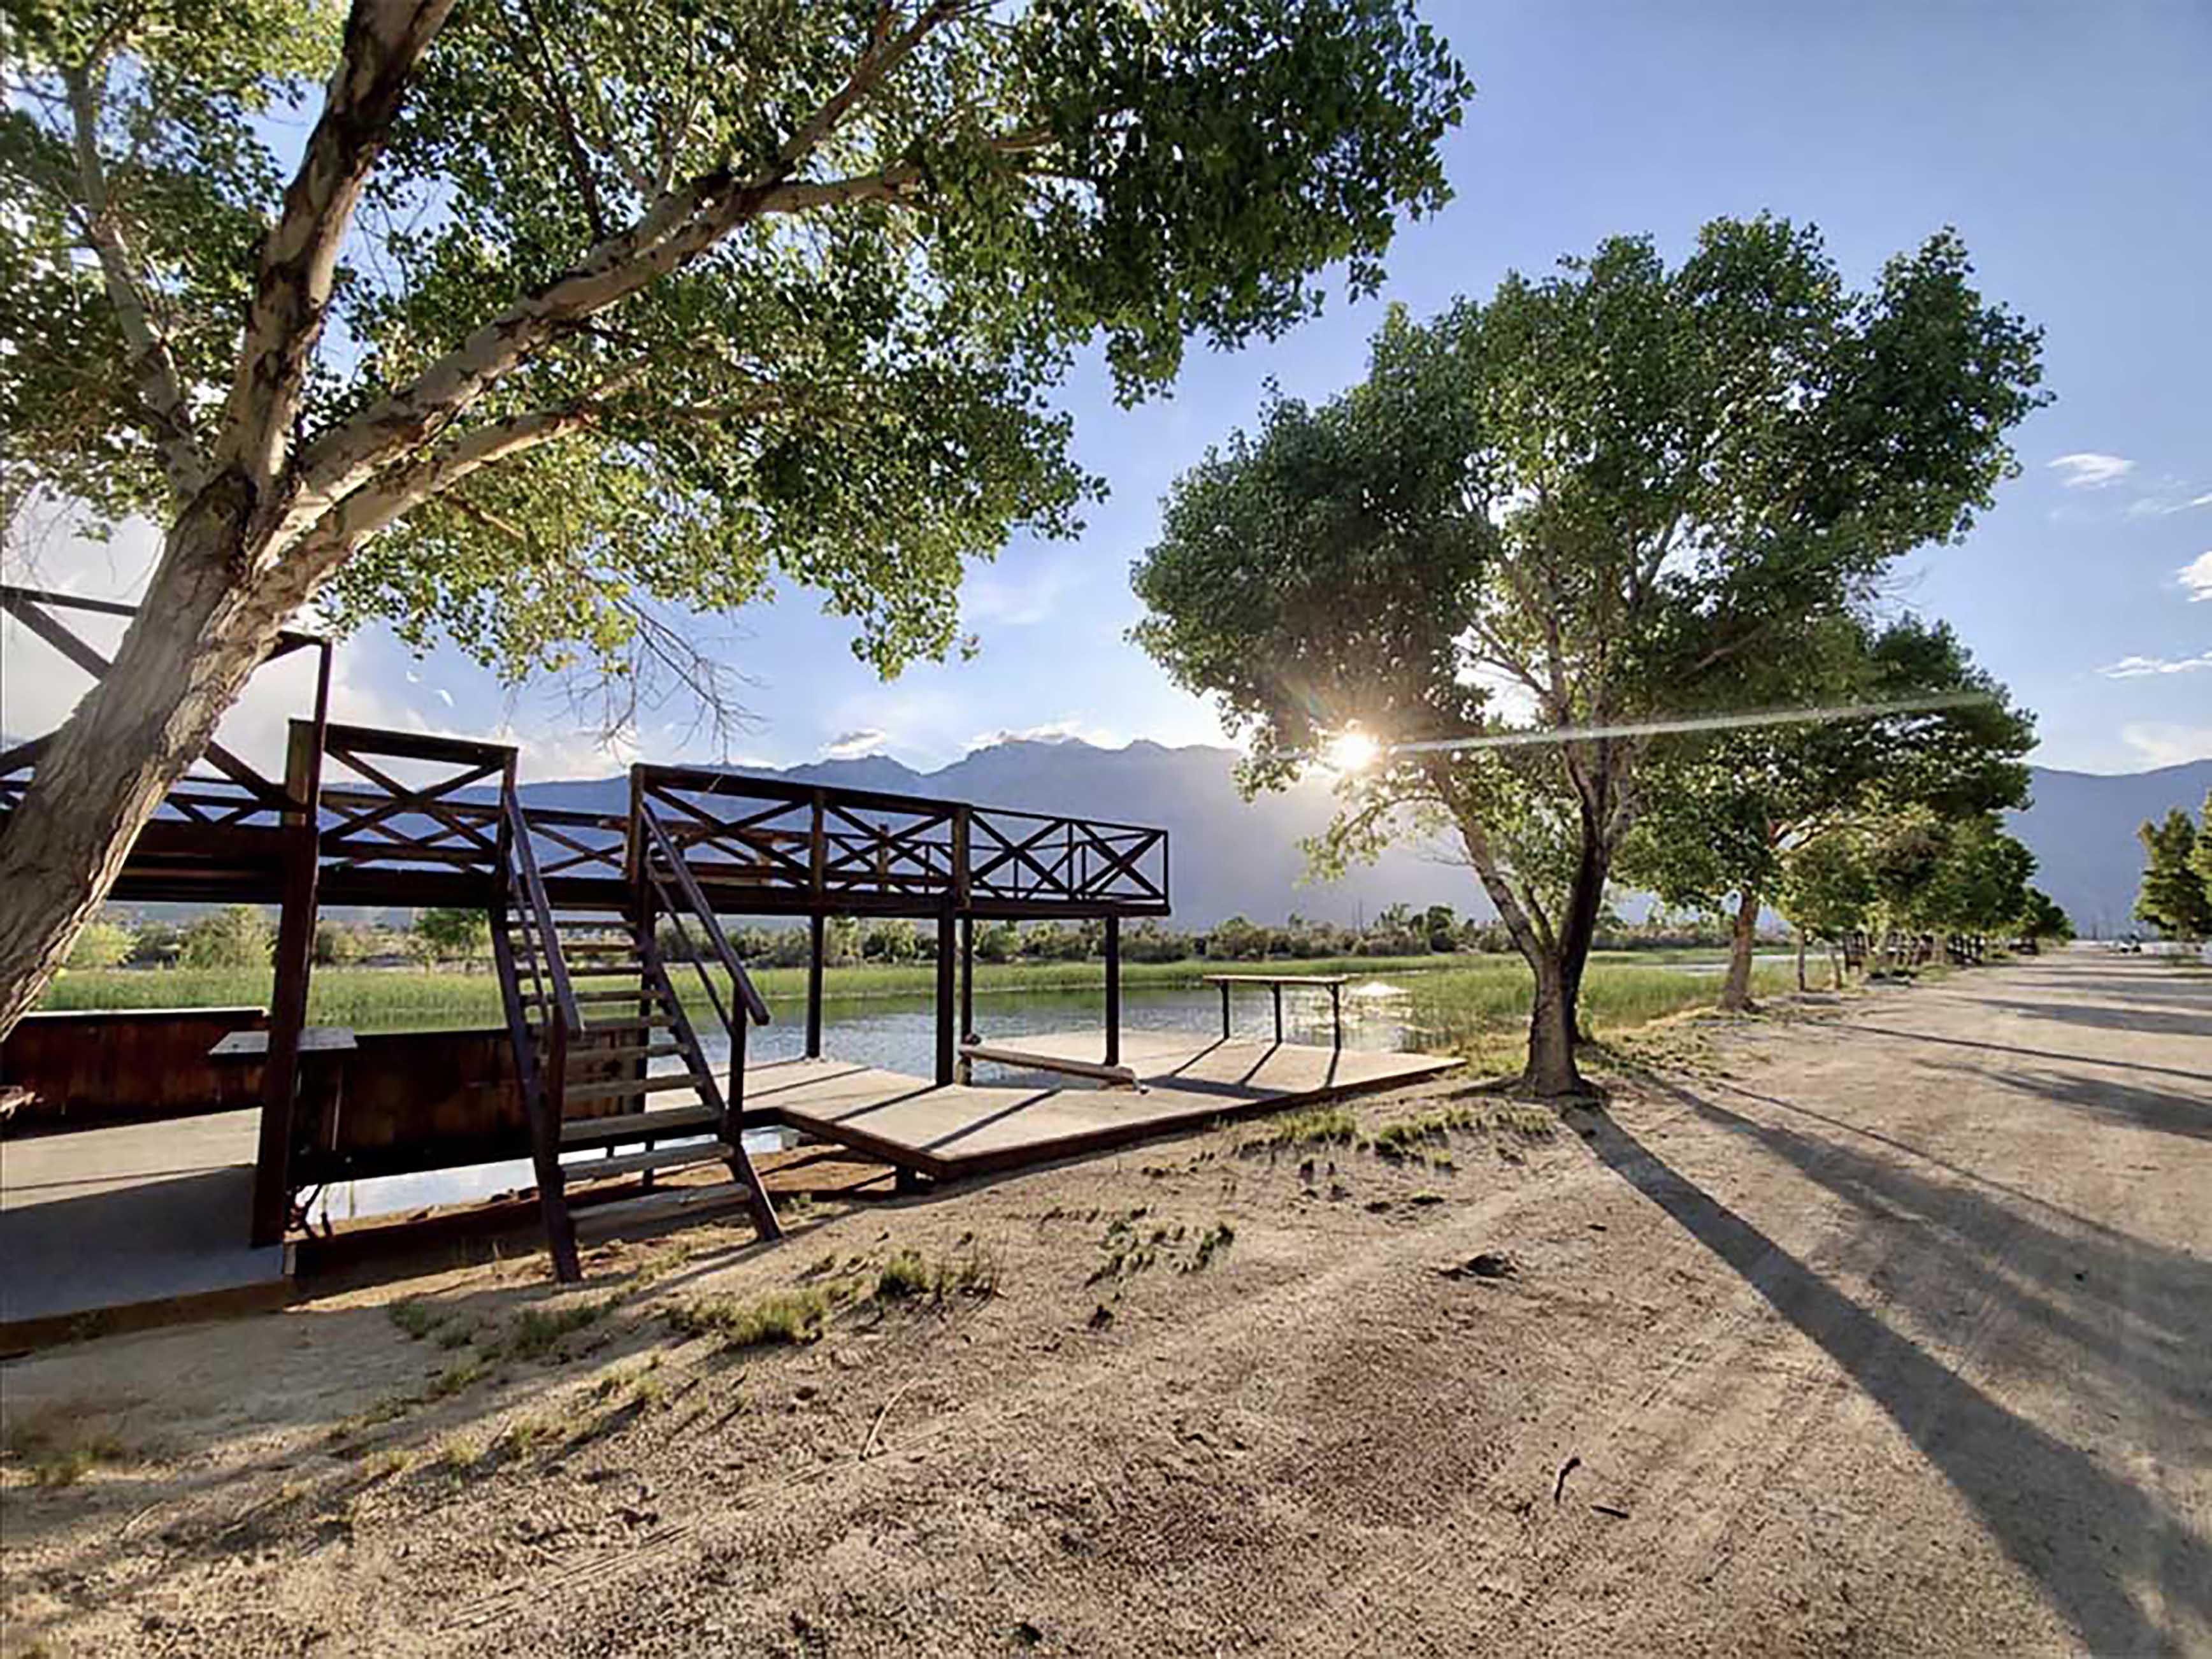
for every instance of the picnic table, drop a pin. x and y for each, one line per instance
(1332, 983)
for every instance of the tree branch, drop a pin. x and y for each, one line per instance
(547, 77)
(675, 229)
(384, 41)
(154, 366)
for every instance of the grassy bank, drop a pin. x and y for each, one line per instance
(1451, 1003)
(387, 999)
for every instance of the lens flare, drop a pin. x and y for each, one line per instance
(1351, 751)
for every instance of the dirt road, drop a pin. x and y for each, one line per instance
(1884, 1330)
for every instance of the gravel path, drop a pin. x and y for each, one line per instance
(1883, 1329)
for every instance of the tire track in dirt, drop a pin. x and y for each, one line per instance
(1289, 1316)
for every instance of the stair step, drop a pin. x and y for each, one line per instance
(597, 945)
(636, 1085)
(647, 1051)
(661, 1158)
(605, 969)
(657, 1023)
(640, 1126)
(643, 993)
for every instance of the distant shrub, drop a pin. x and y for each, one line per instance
(236, 936)
(102, 944)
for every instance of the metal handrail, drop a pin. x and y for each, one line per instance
(694, 900)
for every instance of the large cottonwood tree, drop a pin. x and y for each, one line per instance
(1629, 493)
(562, 309)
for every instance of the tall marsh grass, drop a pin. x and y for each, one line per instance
(1456, 1004)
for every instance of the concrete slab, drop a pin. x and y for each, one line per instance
(128, 1223)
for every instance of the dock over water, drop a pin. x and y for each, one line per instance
(956, 1130)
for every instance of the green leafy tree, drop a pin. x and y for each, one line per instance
(638, 305)
(1720, 813)
(236, 936)
(444, 933)
(891, 939)
(1441, 924)
(337, 944)
(841, 941)
(1828, 893)
(2200, 858)
(1237, 940)
(2042, 918)
(1626, 494)
(102, 943)
(2174, 897)
(157, 945)
(1980, 886)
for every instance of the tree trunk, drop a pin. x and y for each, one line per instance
(1743, 934)
(1551, 1069)
(1554, 1025)
(200, 631)
(1836, 959)
(1800, 961)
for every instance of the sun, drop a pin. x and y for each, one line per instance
(1351, 751)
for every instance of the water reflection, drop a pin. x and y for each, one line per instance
(899, 1034)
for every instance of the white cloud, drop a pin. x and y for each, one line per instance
(2197, 577)
(2127, 668)
(2162, 742)
(2087, 469)
(571, 752)
(851, 745)
(1027, 596)
(2167, 502)
(1069, 729)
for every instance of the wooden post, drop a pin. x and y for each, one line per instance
(967, 979)
(1224, 1010)
(294, 959)
(1113, 990)
(814, 926)
(1278, 989)
(946, 947)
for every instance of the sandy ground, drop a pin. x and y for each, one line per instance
(1886, 1329)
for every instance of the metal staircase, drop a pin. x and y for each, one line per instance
(610, 1065)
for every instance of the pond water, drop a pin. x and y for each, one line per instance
(900, 1034)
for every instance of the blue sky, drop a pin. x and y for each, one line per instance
(2069, 144)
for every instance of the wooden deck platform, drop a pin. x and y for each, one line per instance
(966, 1129)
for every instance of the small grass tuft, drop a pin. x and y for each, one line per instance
(906, 1274)
(792, 1317)
(1314, 1126)
(909, 1275)
(517, 1439)
(1420, 1139)
(1211, 1243)
(1534, 1122)
(537, 1331)
(416, 1318)
(456, 1378)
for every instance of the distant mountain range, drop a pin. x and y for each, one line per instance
(2081, 828)
(1232, 857)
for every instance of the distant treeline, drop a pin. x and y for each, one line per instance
(241, 936)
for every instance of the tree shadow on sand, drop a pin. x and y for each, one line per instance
(2043, 1500)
